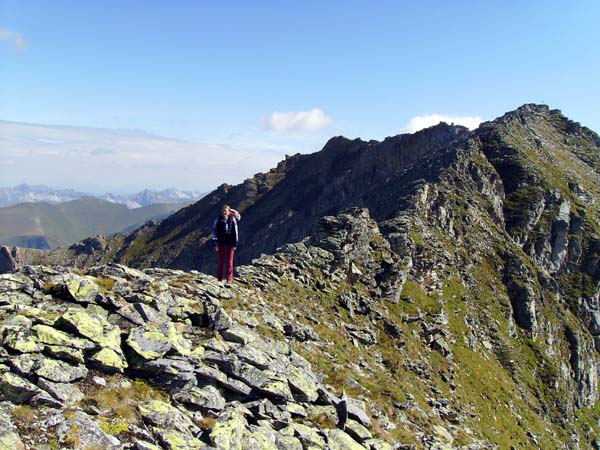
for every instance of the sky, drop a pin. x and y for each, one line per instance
(124, 95)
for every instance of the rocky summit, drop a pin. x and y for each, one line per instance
(431, 291)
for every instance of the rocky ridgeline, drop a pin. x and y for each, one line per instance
(119, 358)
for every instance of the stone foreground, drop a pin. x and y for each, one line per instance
(184, 372)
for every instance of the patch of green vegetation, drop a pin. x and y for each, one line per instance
(105, 284)
(114, 425)
(53, 442)
(24, 412)
(413, 299)
(121, 398)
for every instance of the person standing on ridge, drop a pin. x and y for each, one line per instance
(225, 239)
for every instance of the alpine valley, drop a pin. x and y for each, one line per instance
(436, 290)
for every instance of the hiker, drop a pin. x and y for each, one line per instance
(225, 239)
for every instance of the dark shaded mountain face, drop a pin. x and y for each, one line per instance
(460, 301)
(283, 205)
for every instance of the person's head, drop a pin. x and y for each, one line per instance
(225, 210)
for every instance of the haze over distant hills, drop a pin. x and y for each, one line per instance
(37, 193)
(45, 226)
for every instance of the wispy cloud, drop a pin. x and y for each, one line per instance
(283, 122)
(13, 38)
(74, 156)
(419, 122)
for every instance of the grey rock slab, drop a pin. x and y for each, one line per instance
(308, 436)
(339, 440)
(72, 355)
(238, 334)
(154, 341)
(164, 415)
(85, 429)
(59, 371)
(206, 398)
(288, 443)
(357, 431)
(254, 356)
(64, 392)
(228, 432)
(175, 440)
(204, 372)
(16, 389)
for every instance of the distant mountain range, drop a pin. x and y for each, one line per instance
(34, 194)
(46, 226)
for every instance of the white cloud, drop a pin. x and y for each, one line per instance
(122, 160)
(419, 122)
(312, 120)
(14, 38)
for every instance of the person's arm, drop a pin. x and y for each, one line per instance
(235, 214)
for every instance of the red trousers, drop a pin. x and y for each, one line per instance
(225, 257)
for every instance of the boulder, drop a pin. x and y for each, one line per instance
(84, 431)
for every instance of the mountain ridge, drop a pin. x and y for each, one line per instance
(457, 296)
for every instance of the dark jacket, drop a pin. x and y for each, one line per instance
(225, 230)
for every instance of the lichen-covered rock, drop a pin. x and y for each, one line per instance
(59, 371)
(206, 398)
(65, 393)
(357, 431)
(108, 360)
(51, 336)
(91, 326)
(309, 437)
(165, 416)
(228, 432)
(154, 341)
(339, 440)
(16, 389)
(175, 440)
(83, 431)
(81, 289)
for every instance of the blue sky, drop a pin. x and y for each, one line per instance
(217, 72)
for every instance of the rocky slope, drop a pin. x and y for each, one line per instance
(461, 305)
